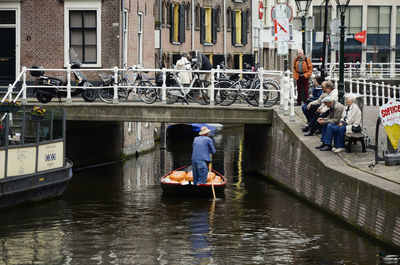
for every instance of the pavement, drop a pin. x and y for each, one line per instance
(365, 161)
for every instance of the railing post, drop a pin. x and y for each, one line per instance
(358, 86)
(164, 86)
(287, 94)
(350, 70)
(115, 96)
(212, 88)
(218, 68)
(370, 93)
(365, 91)
(382, 96)
(350, 85)
(261, 96)
(69, 99)
(291, 87)
(24, 101)
(370, 68)
(283, 91)
(10, 88)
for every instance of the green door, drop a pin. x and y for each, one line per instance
(7, 47)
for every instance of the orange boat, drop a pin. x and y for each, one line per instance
(180, 182)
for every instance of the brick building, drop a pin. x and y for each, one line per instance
(204, 25)
(41, 32)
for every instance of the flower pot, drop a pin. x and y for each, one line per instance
(36, 118)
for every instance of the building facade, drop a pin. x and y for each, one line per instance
(380, 20)
(218, 29)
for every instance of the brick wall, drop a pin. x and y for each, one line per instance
(43, 23)
(135, 143)
(366, 202)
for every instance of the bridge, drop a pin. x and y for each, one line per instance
(158, 112)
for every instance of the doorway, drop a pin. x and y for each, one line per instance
(7, 46)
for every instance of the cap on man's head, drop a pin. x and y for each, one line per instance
(327, 100)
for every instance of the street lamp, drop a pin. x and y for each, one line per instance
(341, 6)
(302, 7)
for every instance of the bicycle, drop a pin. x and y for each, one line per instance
(182, 92)
(126, 86)
(248, 89)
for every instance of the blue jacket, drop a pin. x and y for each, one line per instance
(202, 148)
(316, 93)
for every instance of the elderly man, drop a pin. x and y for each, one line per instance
(335, 113)
(203, 147)
(322, 111)
(350, 117)
(302, 70)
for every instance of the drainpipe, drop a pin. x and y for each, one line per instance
(161, 19)
(225, 32)
(192, 25)
(123, 33)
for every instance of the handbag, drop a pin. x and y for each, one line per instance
(356, 129)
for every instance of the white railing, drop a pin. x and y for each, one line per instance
(367, 70)
(287, 91)
(373, 93)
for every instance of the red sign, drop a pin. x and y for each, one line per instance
(361, 36)
(260, 10)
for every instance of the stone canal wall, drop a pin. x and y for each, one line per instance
(365, 201)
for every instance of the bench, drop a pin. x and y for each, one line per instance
(353, 138)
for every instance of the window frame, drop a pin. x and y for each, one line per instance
(74, 5)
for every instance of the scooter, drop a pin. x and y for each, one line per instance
(45, 95)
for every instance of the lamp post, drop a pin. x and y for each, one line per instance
(302, 7)
(342, 6)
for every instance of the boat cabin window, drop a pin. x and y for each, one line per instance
(21, 128)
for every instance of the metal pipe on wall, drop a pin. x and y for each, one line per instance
(225, 32)
(192, 25)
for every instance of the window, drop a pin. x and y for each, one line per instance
(379, 19)
(228, 19)
(353, 19)
(82, 26)
(239, 20)
(140, 38)
(163, 13)
(177, 30)
(218, 20)
(398, 21)
(197, 17)
(188, 16)
(208, 25)
(82, 29)
(319, 18)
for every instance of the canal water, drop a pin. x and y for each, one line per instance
(116, 214)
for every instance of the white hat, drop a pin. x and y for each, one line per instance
(204, 130)
(327, 99)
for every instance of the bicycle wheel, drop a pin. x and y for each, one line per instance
(271, 95)
(147, 92)
(106, 94)
(225, 97)
(172, 96)
(201, 96)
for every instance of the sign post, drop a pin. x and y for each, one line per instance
(260, 24)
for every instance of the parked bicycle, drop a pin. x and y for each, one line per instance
(246, 88)
(196, 90)
(126, 86)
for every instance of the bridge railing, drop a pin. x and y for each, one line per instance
(373, 93)
(366, 70)
(286, 89)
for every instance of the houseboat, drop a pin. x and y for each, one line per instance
(33, 166)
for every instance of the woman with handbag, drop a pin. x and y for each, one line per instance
(349, 123)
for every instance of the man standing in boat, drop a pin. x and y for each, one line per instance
(203, 147)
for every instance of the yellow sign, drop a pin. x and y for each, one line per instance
(21, 161)
(2, 163)
(390, 117)
(51, 156)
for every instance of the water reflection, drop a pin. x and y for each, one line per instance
(118, 215)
